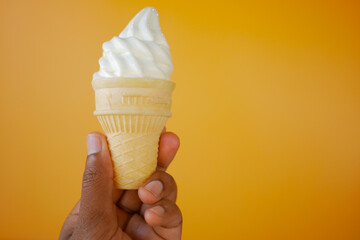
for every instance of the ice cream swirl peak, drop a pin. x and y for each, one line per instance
(140, 51)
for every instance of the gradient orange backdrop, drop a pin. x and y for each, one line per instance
(267, 107)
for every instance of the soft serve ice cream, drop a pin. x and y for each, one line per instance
(133, 97)
(140, 51)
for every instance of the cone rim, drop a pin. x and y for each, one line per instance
(133, 112)
(132, 83)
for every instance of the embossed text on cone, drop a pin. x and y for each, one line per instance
(132, 113)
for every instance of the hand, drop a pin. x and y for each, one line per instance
(104, 212)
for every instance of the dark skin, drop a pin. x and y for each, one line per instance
(107, 213)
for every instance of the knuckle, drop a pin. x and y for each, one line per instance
(174, 214)
(178, 210)
(171, 182)
(91, 176)
(178, 218)
(179, 214)
(171, 179)
(165, 177)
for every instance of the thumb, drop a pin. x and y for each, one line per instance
(97, 185)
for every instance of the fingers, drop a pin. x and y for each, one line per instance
(165, 214)
(137, 228)
(96, 195)
(168, 146)
(159, 186)
(162, 221)
(129, 201)
(116, 194)
(123, 217)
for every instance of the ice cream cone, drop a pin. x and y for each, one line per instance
(132, 113)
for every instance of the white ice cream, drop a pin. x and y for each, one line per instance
(141, 50)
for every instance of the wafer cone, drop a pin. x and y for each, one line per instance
(132, 113)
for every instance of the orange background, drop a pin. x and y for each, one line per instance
(267, 107)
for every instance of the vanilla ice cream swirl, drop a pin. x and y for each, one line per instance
(140, 51)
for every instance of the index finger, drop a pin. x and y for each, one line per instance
(168, 145)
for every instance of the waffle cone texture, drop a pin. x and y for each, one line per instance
(132, 113)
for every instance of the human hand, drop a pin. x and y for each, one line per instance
(105, 212)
